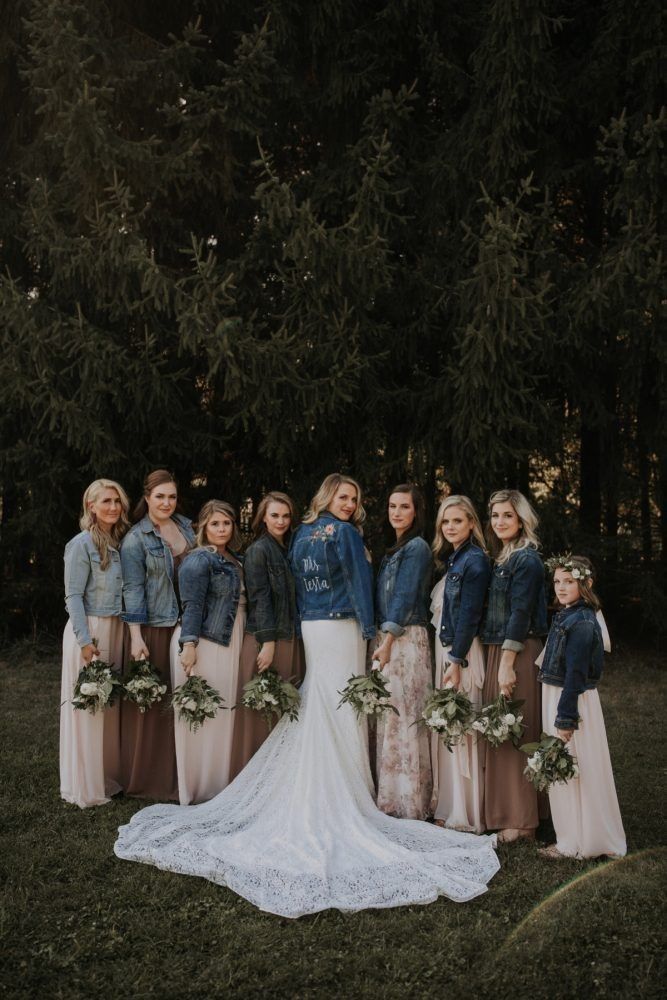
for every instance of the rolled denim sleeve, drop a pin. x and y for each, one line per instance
(578, 654)
(474, 586)
(133, 564)
(77, 572)
(413, 567)
(527, 579)
(358, 576)
(193, 582)
(259, 594)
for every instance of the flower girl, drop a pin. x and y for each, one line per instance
(584, 810)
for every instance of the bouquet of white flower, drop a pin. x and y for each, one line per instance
(549, 761)
(500, 721)
(450, 714)
(97, 686)
(368, 694)
(145, 687)
(196, 701)
(269, 694)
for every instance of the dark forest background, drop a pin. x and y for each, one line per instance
(259, 242)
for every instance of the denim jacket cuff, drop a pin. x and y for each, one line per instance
(134, 617)
(265, 635)
(82, 637)
(393, 627)
(461, 661)
(562, 723)
(369, 632)
(182, 639)
(513, 645)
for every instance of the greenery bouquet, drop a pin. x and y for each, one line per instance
(500, 721)
(450, 714)
(97, 687)
(144, 687)
(195, 701)
(269, 694)
(549, 762)
(368, 694)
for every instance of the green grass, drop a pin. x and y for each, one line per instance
(78, 922)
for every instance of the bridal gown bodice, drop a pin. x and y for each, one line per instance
(298, 831)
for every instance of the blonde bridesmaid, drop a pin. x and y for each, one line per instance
(150, 555)
(457, 602)
(515, 622)
(89, 744)
(270, 639)
(208, 644)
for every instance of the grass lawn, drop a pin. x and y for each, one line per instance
(78, 922)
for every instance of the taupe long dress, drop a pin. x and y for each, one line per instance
(250, 728)
(510, 801)
(148, 750)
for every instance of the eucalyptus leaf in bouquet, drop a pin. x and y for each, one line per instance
(144, 686)
(549, 762)
(500, 721)
(368, 694)
(450, 714)
(269, 694)
(97, 687)
(195, 701)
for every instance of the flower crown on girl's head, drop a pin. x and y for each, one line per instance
(571, 564)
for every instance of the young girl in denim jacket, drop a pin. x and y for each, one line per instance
(584, 810)
(90, 744)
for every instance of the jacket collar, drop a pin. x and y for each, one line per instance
(146, 525)
(457, 552)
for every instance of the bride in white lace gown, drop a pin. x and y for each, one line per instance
(298, 831)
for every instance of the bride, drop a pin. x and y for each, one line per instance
(298, 831)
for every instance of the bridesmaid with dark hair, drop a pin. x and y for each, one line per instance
(404, 776)
(270, 639)
(150, 555)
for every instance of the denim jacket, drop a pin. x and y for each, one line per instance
(403, 587)
(466, 584)
(89, 589)
(270, 591)
(210, 587)
(517, 601)
(333, 576)
(572, 659)
(148, 574)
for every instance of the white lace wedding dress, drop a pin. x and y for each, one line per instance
(298, 830)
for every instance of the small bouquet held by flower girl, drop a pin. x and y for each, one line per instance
(450, 714)
(269, 694)
(195, 701)
(144, 687)
(549, 762)
(500, 721)
(368, 694)
(97, 687)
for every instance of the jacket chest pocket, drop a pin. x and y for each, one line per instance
(221, 584)
(155, 560)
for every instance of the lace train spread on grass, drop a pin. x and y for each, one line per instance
(298, 830)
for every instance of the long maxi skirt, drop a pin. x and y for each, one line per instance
(203, 757)
(89, 744)
(148, 753)
(250, 728)
(458, 777)
(585, 810)
(510, 801)
(403, 755)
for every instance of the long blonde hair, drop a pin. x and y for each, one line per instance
(210, 508)
(104, 540)
(441, 546)
(527, 538)
(327, 492)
